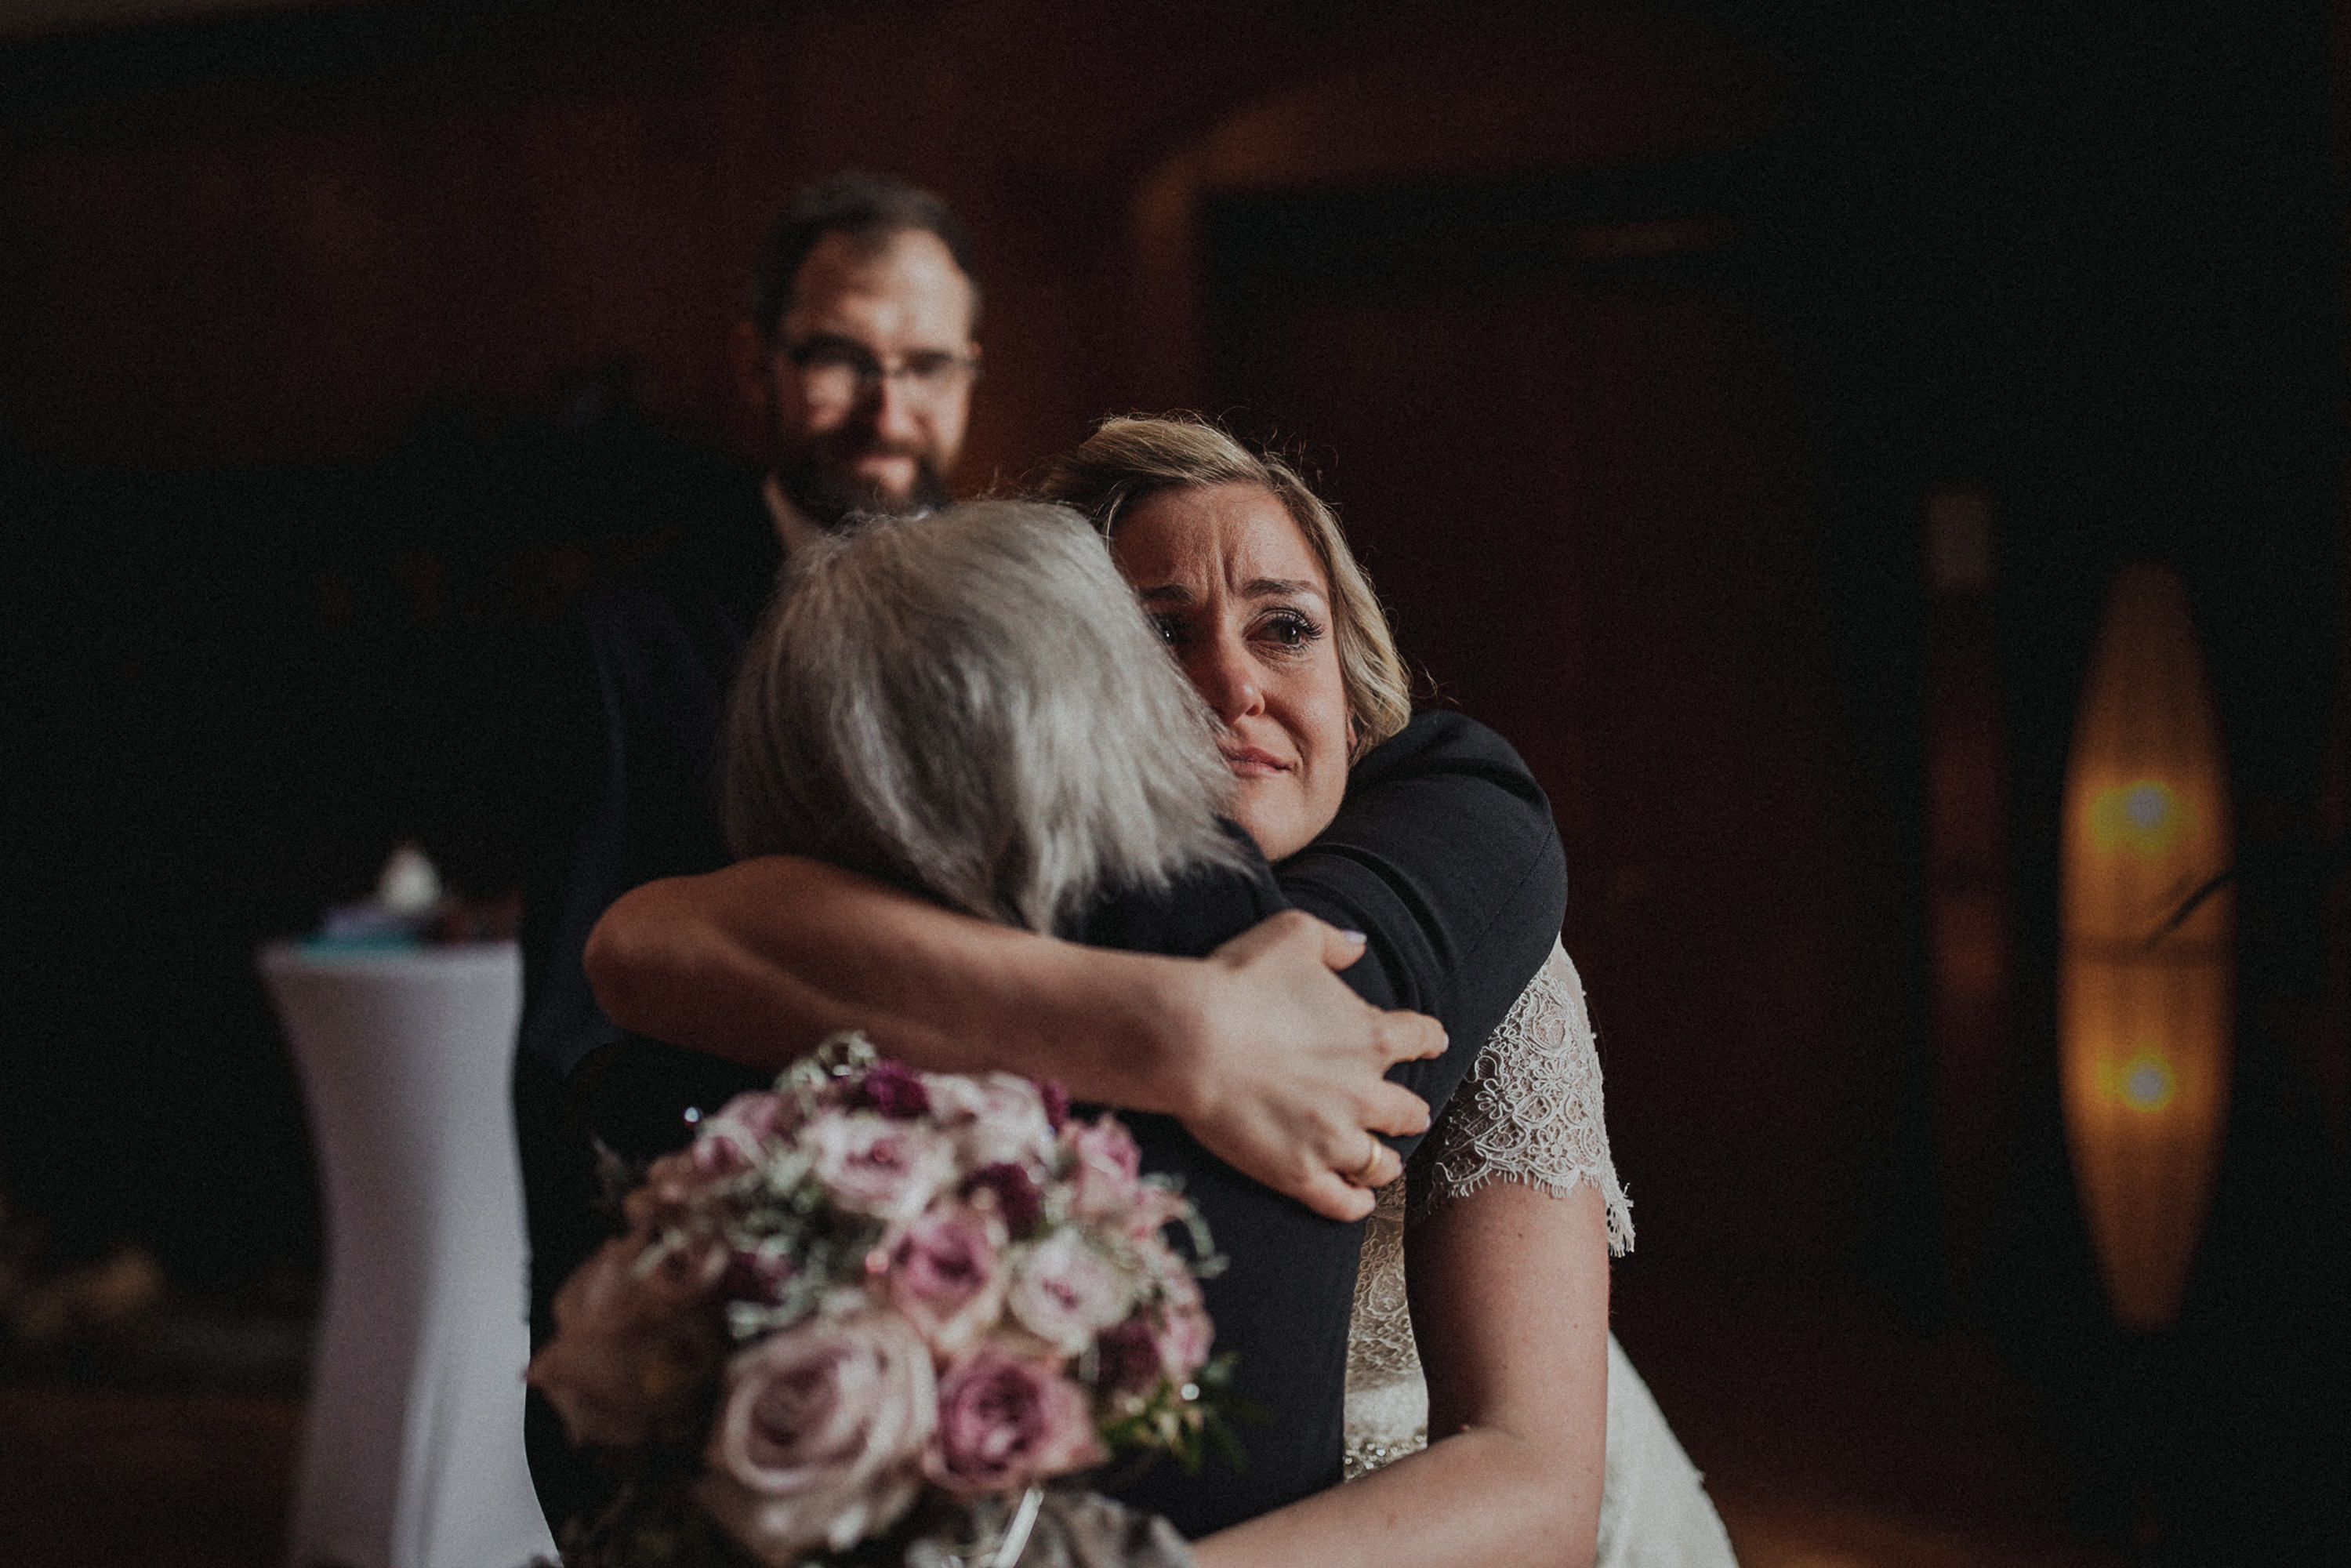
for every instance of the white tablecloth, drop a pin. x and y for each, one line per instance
(413, 1456)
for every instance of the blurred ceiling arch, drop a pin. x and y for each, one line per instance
(1414, 100)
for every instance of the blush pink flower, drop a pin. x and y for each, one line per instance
(890, 1170)
(1064, 1292)
(1182, 1336)
(1181, 1332)
(1105, 1169)
(1006, 1421)
(946, 1276)
(733, 1139)
(1167, 1338)
(635, 1347)
(820, 1436)
(996, 1118)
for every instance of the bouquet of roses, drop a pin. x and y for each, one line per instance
(870, 1290)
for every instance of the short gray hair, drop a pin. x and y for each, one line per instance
(972, 704)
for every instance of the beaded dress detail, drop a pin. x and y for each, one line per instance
(1530, 1111)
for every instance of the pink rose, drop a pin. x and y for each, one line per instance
(998, 1118)
(1105, 1170)
(819, 1436)
(734, 1139)
(1182, 1336)
(1006, 1421)
(1168, 1339)
(947, 1278)
(1181, 1329)
(1064, 1292)
(634, 1347)
(890, 1170)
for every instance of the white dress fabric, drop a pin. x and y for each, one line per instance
(1529, 1111)
(412, 1455)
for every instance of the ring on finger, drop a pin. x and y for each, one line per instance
(1364, 1177)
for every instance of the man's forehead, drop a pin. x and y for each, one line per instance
(904, 290)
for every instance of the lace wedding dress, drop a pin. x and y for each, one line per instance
(1529, 1111)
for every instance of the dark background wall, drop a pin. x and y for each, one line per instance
(339, 349)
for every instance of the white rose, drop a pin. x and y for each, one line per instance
(1065, 1292)
(888, 1169)
(996, 1118)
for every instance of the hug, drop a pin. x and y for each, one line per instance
(1116, 786)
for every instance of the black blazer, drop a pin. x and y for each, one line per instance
(631, 753)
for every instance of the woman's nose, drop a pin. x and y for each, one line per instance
(1222, 670)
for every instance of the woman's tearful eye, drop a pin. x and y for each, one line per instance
(1289, 631)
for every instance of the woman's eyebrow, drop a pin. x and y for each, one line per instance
(1280, 586)
(1255, 588)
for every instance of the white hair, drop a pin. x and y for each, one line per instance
(972, 705)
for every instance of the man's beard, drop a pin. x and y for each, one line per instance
(818, 480)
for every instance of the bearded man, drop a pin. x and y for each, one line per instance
(859, 354)
(858, 358)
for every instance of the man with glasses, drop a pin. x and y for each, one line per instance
(859, 357)
(859, 354)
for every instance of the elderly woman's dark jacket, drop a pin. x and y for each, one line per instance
(1443, 854)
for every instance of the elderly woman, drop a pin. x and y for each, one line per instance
(972, 707)
(967, 707)
(1249, 583)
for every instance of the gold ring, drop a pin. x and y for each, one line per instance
(1363, 1177)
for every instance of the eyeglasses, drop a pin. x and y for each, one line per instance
(837, 370)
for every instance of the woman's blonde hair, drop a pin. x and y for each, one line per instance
(1130, 457)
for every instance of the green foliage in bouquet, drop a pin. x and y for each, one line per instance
(1187, 1419)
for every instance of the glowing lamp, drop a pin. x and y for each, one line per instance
(2142, 998)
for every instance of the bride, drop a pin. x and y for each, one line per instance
(1250, 584)
(1493, 1260)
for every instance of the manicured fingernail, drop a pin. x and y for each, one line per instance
(1357, 938)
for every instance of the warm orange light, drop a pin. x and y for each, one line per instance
(2143, 1019)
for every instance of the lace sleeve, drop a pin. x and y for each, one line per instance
(1529, 1110)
